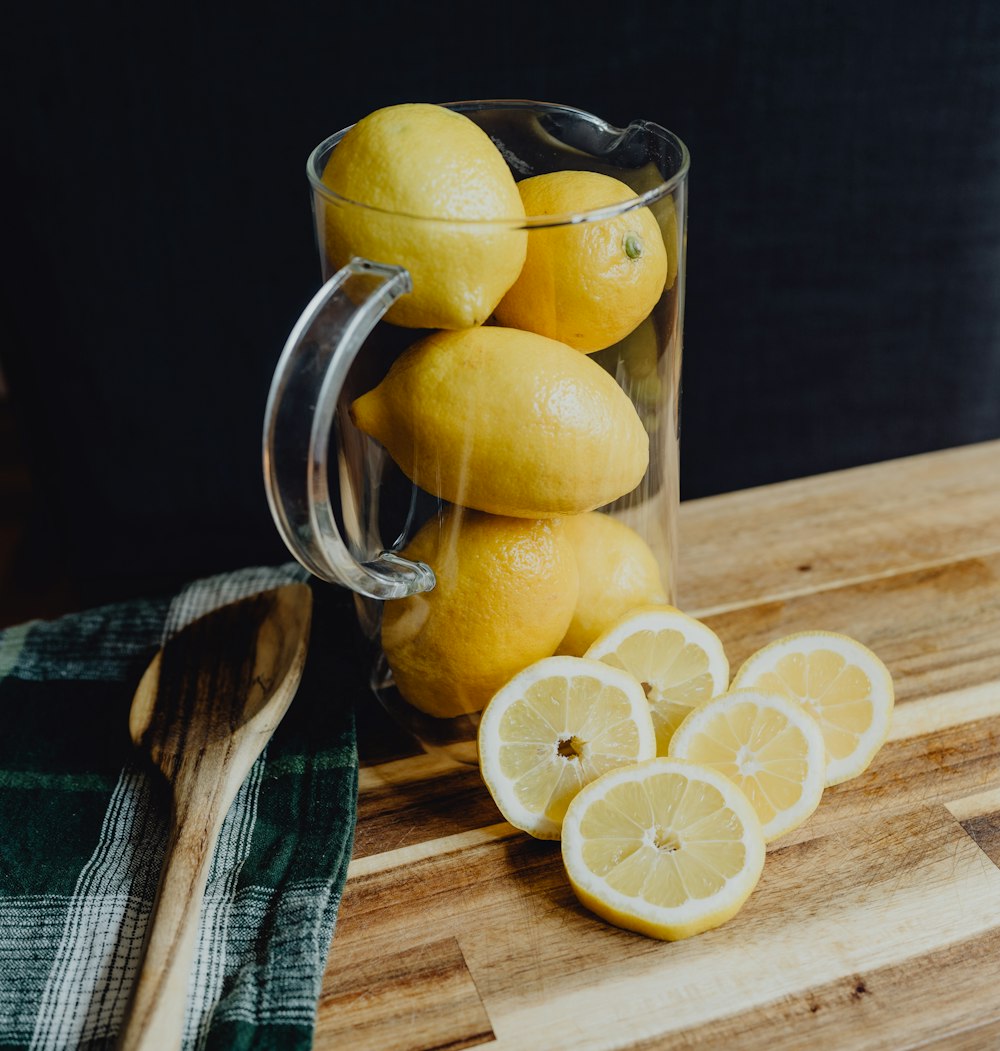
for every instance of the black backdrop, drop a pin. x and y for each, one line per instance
(844, 233)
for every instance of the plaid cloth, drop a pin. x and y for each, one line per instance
(82, 835)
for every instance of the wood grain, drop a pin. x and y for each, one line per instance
(875, 925)
(862, 1009)
(420, 999)
(803, 536)
(202, 713)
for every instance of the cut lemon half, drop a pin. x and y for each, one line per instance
(678, 660)
(840, 681)
(668, 848)
(555, 727)
(768, 744)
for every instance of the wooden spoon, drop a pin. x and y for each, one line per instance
(203, 712)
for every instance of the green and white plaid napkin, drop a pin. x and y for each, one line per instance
(82, 834)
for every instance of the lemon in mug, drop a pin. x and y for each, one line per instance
(505, 592)
(508, 422)
(618, 572)
(424, 187)
(587, 284)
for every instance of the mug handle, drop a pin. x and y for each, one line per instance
(298, 421)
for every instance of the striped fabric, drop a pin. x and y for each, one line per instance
(83, 830)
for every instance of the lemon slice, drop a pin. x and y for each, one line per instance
(679, 661)
(668, 848)
(841, 682)
(768, 744)
(554, 728)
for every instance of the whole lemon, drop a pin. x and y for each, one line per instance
(587, 284)
(505, 592)
(633, 362)
(508, 422)
(408, 169)
(617, 571)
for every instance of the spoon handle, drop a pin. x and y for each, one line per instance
(154, 1018)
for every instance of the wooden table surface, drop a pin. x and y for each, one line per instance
(876, 925)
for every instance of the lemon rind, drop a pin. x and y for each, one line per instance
(499, 786)
(765, 659)
(668, 923)
(787, 820)
(670, 618)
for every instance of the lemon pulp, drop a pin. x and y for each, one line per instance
(667, 848)
(554, 728)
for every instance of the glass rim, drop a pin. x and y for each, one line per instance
(663, 189)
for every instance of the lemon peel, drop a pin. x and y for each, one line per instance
(508, 422)
(842, 682)
(555, 727)
(667, 848)
(424, 187)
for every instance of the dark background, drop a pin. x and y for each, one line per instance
(843, 300)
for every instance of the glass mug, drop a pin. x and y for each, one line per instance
(447, 515)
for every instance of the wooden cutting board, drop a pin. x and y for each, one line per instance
(876, 925)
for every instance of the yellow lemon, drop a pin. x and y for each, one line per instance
(650, 177)
(768, 744)
(617, 573)
(505, 592)
(679, 660)
(418, 185)
(587, 284)
(508, 422)
(667, 848)
(555, 727)
(845, 686)
(634, 363)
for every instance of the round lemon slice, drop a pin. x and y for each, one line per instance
(668, 848)
(554, 728)
(768, 744)
(679, 661)
(840, 681)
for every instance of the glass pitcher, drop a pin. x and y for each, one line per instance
(474, 423)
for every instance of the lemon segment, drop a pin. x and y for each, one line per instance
(841, 682)
(618, 572)
(587, 284)
(679, 661)
(554, 728)
(424, 187)
(505, 593)
(507, 422)
(768, 745)
(667, 848)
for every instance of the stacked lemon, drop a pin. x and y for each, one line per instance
(499, 411)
